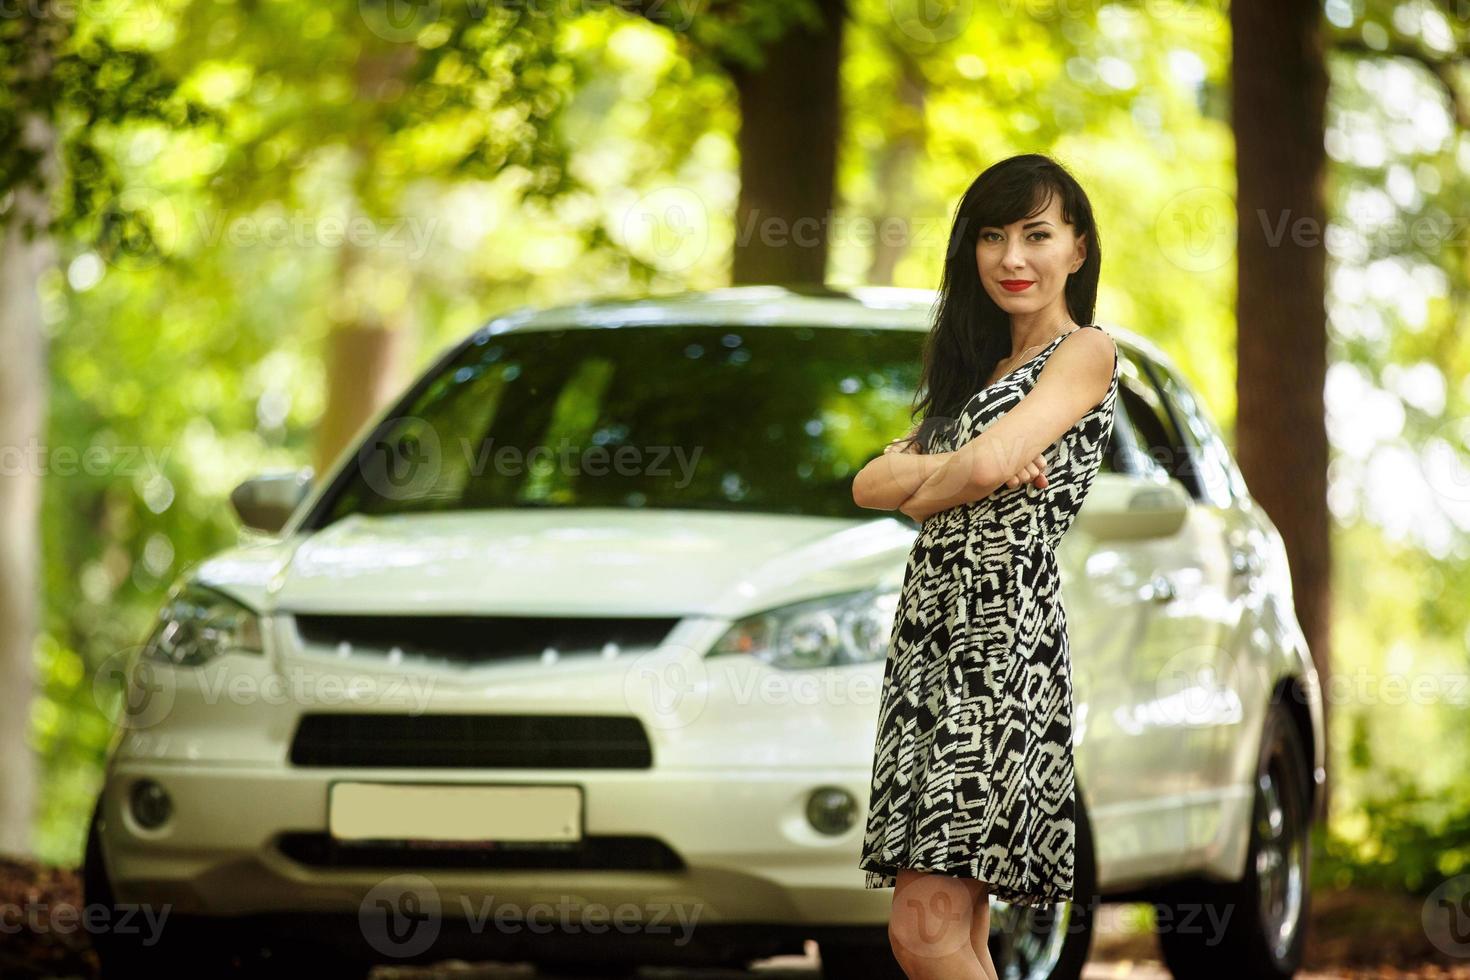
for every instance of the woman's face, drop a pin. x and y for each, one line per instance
(1024, 266)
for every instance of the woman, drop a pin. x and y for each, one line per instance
(973, 792)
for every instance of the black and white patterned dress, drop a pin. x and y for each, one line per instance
(973, 765)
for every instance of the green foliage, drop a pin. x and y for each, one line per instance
(50, 73)
(1400, 839)
(1398, 278)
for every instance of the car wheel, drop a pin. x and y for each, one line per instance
(184, 947)
(1049, 943)
(1255, 927)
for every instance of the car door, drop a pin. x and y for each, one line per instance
(1154, 606)
(1227, 693)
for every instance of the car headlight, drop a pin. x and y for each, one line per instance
(197, 624)
(827, 632)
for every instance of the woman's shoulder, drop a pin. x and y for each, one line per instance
(1093, 335)
(1091, 356)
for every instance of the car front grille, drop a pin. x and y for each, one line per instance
(473, 641)
(471, 741)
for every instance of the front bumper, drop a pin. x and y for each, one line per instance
(745, 852)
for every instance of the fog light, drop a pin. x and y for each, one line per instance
(831, 810)
(150, 803)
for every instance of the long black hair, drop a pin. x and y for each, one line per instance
(970, 333)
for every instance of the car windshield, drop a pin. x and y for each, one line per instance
(767, 419)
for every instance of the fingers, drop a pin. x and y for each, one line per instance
(1034, 471)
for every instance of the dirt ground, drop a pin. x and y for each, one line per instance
(1353, 936)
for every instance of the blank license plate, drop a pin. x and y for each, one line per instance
(408, 811)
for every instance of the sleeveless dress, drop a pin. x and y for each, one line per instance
(973, 765)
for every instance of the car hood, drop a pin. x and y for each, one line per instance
(567, 561)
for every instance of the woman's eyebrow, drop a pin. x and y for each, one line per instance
(1029, 224)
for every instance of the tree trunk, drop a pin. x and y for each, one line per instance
(23, 382)
(362, 358)
(790, 112)
(892, 232)
(365, 345)
(1280, 93)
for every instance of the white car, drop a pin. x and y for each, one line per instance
(574, 658)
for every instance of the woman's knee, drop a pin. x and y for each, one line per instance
(931, 918)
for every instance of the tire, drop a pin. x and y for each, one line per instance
(1025, 943)
(1265, 914)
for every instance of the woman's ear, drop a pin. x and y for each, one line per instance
(1081, 251)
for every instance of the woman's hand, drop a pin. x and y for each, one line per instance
(907, 507)
(1032, 472)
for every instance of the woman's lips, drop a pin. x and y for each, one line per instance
(1015, 285)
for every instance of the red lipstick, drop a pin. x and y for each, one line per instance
(1015, 285)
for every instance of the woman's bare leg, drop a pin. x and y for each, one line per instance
(980, 932)
(931, 924)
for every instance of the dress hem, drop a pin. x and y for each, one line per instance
(1010, 893)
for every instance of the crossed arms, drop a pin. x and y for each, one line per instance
(1074, 379)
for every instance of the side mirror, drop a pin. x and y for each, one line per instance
(1122, 507)
(265, 502)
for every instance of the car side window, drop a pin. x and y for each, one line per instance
(1119, 453)
(1133, 432)
(1159, 452)
(1214, 467)
(1113, 456)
